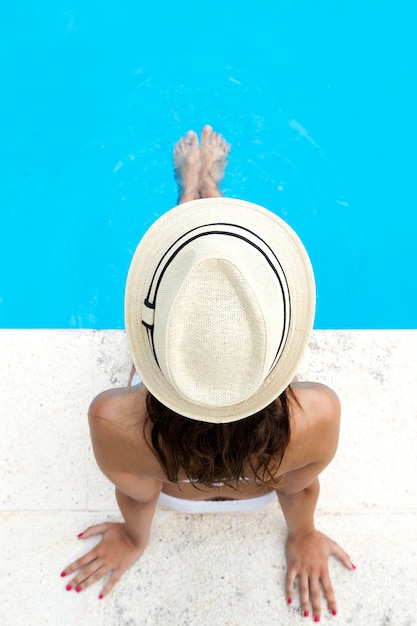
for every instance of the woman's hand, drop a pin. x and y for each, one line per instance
(307, 556)
(115, 553)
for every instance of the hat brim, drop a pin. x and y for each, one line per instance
(299, 275)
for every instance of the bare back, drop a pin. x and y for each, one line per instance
(120, 439)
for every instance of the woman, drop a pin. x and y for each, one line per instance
(219, 307)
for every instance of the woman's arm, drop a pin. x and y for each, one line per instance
(138, 516)
(307, 552)
(122, 543)
(298, 508)
(307, 549)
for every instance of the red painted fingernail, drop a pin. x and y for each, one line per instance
(334, 612)
(353, 566)
(80, 535)
(101, 596)
(289, 600)
(68, 587)
(317, 619)
(78, 589)
(63, 574)
(306, 613)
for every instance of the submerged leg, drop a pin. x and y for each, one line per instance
(214, 150)
(187, 166)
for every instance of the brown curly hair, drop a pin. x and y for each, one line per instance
(213, 453)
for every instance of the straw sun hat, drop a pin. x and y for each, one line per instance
(219, 307)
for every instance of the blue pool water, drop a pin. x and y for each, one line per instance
(318, 100)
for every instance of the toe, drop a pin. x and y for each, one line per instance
(184, 144)
(206, 133)
(225, 146)
(178, 145)
(192, 136)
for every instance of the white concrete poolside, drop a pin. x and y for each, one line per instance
(217, 570)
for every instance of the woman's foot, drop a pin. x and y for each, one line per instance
(187, 166)
(214, 150)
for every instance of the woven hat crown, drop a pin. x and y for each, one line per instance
(219, 316)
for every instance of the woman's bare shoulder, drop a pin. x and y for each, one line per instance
(117, 418)
(317, 400)
(315, 420)
(119, 407)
